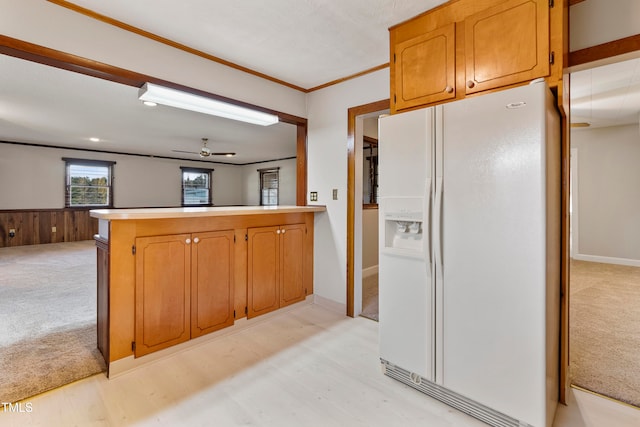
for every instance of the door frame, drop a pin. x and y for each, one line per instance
(352, 113)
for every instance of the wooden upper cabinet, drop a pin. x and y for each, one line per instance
(468, 46)
(506, 44)
(212, 282)
(425, 69)
(292, 286)
(163, 276)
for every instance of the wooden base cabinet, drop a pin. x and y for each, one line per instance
(163, 281)
(183, 288)
(169, 275)
(212, 282)
(275, 271)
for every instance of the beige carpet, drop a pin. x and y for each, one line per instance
(47, 317)
(605, 329)
(370, 297)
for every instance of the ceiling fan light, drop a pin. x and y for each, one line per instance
(187, 101)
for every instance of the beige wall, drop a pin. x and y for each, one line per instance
(608, 205)
(369, 239)
(594, 22)
(34, 178)
(286, 184)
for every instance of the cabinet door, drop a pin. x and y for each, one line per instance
(211, 282)
(507, 44)
(263, 272)
(163, 270)
(102, 295)
(425, 68)
(292, 287)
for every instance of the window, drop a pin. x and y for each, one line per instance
(268, 186)
(88, 183)
(196, 187)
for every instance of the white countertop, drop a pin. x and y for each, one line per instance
(155, 213)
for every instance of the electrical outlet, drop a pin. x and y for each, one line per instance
(12, 232)
(53, 229)
(335, 194)
(313, 196)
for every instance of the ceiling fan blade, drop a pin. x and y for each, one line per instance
(189, 152)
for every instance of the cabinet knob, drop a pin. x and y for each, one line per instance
(283, 231)
(278, 231)
(188, 241)
(196, 240)
(448, 89)
(470, 83)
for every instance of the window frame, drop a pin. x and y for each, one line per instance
(261, 189)
(69, 161)
(187, 169)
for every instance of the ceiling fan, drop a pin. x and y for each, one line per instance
(205, 151)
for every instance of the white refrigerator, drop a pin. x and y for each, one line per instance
(469, 263)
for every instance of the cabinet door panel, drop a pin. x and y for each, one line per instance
(263, 291)
(507, 44)
(292, 264)
(425, 68)
(163, 270)
(211, 282)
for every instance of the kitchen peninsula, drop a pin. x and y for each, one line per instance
(168, 275)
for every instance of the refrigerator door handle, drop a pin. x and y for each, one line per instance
(440, 224)
(428, 223)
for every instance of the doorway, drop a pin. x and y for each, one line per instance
(355, 137)
(605, 233)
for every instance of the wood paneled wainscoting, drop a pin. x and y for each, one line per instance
(37, 226)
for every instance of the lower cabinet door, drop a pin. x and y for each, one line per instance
(162, 294)
(211, 282)
(263, 272)
(292, 287)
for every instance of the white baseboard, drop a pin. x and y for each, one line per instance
(329, 304)
(369, 271)
(607, 260)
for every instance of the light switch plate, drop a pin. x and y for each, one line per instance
(313, 196)
(335, 194)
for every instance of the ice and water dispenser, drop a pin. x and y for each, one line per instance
(404, 226)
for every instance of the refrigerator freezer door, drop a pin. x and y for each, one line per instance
(405, 280)
(405, 153)
(494, 251)
(405, 306)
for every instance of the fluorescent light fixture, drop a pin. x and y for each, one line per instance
(94, 139)
(187, 101)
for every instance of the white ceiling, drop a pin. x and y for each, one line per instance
(45, 105)
(608, 95)
(303, 42)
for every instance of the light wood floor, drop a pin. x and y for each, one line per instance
(305, 367)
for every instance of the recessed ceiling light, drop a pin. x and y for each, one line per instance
(150, 103)
(94, 139)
